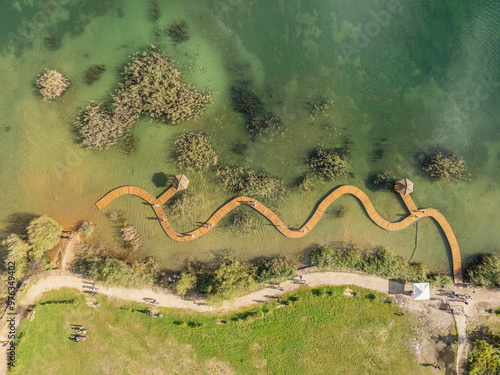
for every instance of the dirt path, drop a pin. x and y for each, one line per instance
(429, 311)
(68, 251)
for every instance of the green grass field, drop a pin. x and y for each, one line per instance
(322, 331)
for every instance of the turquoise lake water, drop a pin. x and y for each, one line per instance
(404, 79)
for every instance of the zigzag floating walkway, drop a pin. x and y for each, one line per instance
(415, 214)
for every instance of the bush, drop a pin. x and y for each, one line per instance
(438, 280)
(87, 228)
(275, 269)
(346, 256)
(232, 276)
(43, 234)
(445, 167)
(247, 182)
(329, 163)
(323, 256)
(483, 359)
(383, 262)
(113, 271)
(194, 151)
(186, 282)
(485, 271)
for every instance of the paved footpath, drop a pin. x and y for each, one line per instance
(169, 300)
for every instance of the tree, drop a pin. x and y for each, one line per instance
(483, 359)
(185, 283)
(275, 269)
(43, 234)
(232, 276)
(19, 252)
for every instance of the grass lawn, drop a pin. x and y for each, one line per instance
(322, 331)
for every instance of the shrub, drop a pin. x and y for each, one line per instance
(94, 262)
(186, 282)
(383, 262)
(87, 228)
(445, 167)
(346, 256)
(43, 234)
(329, 163)
(232, 276)
(99, 128)
(483, 359)
(275, 269)
(52, 84)
(153, 87)
(485, 270)
(323, 256)
(194, 151)
(438, 280)
(247, 182)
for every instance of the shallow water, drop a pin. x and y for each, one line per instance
(403, 78)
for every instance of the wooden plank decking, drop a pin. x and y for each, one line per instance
(415, 214)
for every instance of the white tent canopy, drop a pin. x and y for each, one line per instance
(421, 291)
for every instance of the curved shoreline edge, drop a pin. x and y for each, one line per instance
(414, 215)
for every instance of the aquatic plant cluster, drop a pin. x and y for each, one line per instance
(100, 128)
(258, 121)
(242, 222)
(153, 87)
(131, 237)
(329, 163)
(52, 84)
(93, 73)
(178, 31)
(318, 106)
(248, 182)
(194, 151)
(445, 167)
(182, 204)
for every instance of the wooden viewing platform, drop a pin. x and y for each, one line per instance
(415, 214)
